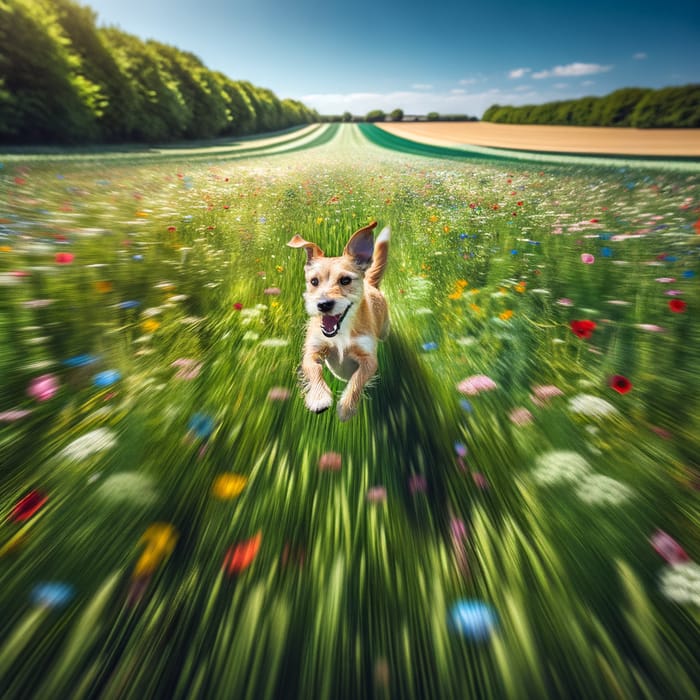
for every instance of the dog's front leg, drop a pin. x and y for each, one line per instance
(318, 397)
(350, 398)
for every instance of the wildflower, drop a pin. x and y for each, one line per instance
(678, 306)
(564, 301)
(28, 506)
(587, 258)
(228, 486)
(201, 425)
(583, 329)
(473, 619)
(377, 494)
(238, 306)
(620, 384)
(330, 461)
(520, 416)
(278, 393)
(88, 444)
(128, 487)
(52, 594)
(681, 583)
(598, 489)
(188, 368)
(520, 287)
(64, 258)
(241, 556)
(592, 406)
(272, 291)
(542, 393)
(475, 384)
(43, 388)
(650, 327)
(667, 548)
(172, 229)
(560, 466)
(160, 540)
(103, 286)
(150, 325)
(106, 378)
(417, 483)
(506, 315)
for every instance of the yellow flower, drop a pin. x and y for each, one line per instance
(319, 220)
(227, 486)
(455, 295)
(520, 287)
(103, 286)
(433, 218)
(505, 315)
(150, 325)
(475, 307)
(5, 249)
(160, 540)
(446, 228)
(280, 268)
(461, 283)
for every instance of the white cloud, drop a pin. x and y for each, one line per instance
(572, 70)
(639, 56)
(417, 102)
(468, 81)
(518, 72)
(421, 86)
(561, 86)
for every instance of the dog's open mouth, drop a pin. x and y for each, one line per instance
(330, 325)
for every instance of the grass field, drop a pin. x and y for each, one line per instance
(514, 511)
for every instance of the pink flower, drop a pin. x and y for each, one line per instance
(667, 548)
(480, 480)
(13, 415)
(476, 384)
(542, 393)
(417, 483)
(64, 258)
(377, 494)
(278, 393)
(649, 327)
(272, 291)
(188, 369)
(330, 461)
(587, 258)
(520, 416)
(564, 301)
(43, 388)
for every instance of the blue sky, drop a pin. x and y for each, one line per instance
(450, 57)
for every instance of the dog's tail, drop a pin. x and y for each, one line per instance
(380, 257)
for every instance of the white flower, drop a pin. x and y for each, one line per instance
(131, 487)
(95, 441)
(597, 489)
(681, 583)
(559, 466)
(589, 405)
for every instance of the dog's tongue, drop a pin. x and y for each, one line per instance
(330, 323)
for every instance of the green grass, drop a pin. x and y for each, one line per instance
(347, 596)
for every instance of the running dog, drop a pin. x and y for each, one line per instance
(348, 315)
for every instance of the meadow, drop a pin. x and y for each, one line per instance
(513, 512)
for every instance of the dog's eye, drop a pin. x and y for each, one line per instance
(314, 281)
(345, 281)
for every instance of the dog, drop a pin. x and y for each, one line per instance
(348, 315)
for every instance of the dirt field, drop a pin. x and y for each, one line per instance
(562, 139)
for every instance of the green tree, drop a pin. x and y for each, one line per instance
(396, 115)
(376, 115)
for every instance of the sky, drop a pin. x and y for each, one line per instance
(449, 56)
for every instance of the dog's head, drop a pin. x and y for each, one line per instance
(334, 286)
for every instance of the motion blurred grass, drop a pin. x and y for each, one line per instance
(173, 277)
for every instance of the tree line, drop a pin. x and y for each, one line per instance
(63, 79)
(644, 108)
(396, 115)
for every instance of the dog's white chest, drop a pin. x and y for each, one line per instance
(339, 362)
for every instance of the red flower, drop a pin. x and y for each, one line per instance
(238, 306)
(28, 506)
(64, 258)
(620, 384)
(241, 556)
(677, 306)
(172, 229)
(583, 329)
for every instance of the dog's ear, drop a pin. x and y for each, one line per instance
(360, 247)
(312, 250)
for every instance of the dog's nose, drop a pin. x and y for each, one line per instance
(325, 306)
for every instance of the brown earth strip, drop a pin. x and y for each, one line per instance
(561, 139)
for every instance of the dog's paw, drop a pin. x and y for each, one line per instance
(319, 400)
(346, 410)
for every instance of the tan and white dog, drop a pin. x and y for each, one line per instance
(348, 315)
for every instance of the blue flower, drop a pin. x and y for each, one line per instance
(80, 360)
(106, 378)
(606, 252)
(473, 619)
(129, 304)
(201, 425)
(688, 274)
(52, 594)
(465, 405)
(430, 346)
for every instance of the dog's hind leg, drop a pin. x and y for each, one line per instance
(350, 398)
